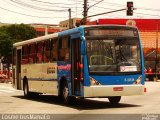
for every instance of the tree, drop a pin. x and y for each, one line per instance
(21, 32)
(10, 34)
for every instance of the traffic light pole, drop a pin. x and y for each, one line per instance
(129, 10)
(85, 18)
(106, 12)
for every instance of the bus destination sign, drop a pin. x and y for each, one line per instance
(129, 33)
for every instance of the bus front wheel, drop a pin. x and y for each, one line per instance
(65, 93)
(114, 100)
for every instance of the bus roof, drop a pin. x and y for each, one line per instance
(54, 35)
(67, 32)
(110, 25)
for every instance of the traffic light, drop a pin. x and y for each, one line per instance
(129, 8)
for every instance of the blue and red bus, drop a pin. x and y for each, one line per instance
(87, 62)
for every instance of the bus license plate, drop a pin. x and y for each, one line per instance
(118, 89)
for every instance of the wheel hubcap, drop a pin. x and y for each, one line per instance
(65, 92)
(25, 89)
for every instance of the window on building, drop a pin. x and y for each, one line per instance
(24, 54)
(40, 33)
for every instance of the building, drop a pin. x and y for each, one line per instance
(74, 22)
(65, 24)
(43, 29)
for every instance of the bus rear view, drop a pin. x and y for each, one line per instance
(114, 62)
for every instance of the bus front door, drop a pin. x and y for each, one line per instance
(76, 70)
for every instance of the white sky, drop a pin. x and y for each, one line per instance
(47, 11)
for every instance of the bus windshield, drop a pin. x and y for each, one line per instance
(114, 53)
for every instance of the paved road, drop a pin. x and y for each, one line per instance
(13, 101)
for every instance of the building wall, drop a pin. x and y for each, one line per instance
(43, 29)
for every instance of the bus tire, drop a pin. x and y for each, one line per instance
(26, 89)
(65, 93)
(114, 100)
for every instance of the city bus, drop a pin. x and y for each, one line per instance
(103, 61)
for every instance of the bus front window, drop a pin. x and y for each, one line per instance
(113, 54)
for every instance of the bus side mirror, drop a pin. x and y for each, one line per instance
(83, 46)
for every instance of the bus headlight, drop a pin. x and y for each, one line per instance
(94, 82)
(138, 81)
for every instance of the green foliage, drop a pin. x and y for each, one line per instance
(21, 32)
(10, 34)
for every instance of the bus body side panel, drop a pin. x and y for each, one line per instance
(64, 67)
(42, 78)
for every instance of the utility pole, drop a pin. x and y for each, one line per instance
(85, 12)
(70, 22)
(86, 8)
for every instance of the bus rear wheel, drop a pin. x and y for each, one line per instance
(25, 89)
(114, 100)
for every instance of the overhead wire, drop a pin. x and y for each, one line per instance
(36, 7)
(50, 3)
(27, 14)
(26, 9)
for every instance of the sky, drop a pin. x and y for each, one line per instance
(54, 11)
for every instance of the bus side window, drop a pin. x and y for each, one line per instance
(54, 46)
(32, 53)
(46, 56)
(24, 54)
(39, 52)
(64, 54)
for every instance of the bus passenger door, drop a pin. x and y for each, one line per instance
(18, 69)
(76, 70)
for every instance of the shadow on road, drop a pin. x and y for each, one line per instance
(80, 104)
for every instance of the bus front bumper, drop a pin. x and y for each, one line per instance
(113, 90)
